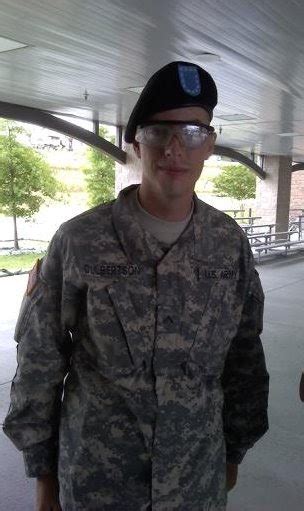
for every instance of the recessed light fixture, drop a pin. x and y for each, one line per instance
(137, 90)
(208, 57)
(235, 117)
(9, 44)
(289, 134)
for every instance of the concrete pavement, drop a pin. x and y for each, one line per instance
(271, 477)
(16, 491)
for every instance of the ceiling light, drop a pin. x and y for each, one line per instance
(289, 134)
(208, 57)
(9, 44)
(137, 90)
(235, 117)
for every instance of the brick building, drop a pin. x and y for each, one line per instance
(297, 190)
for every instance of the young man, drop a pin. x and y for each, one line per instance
(149, 309)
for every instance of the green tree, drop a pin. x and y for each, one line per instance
(235, 181)
(25, 178)
(100, 174)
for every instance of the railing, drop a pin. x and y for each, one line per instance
(236, 211)
(7, 273)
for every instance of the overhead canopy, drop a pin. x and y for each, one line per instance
(84, 59)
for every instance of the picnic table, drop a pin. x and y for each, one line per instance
(278, 244)
(249, 228)
(250, 219)
(299, 223)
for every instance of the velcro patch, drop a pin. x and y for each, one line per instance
(33, 277)
(189, 79)
(218, 273)
(112, 270)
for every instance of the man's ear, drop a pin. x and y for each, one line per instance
(136, 148)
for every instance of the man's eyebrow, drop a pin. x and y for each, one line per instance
(189, 121)
(195, 121)
(201, 122)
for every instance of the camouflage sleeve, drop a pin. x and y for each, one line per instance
(43, 357)
(245, 379)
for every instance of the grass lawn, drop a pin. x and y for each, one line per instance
(19, 261)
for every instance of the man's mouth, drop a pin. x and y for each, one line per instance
(173, 170)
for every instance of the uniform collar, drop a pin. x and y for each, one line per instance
(140, 246)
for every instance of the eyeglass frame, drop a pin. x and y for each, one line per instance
(193, 123)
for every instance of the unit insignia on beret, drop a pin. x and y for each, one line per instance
(189, 79)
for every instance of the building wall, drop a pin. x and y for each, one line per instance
(297, 190)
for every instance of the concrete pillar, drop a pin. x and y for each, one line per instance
(129, 173)
(273, 193)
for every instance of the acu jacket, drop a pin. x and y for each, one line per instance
(140, 373)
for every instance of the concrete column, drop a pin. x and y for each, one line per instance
(273, 193)
(130, 172)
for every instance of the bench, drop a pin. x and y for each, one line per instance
(255, 239)
(250, 219)
(278, 244)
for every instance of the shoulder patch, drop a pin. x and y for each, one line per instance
(33, 277)
(189, 79)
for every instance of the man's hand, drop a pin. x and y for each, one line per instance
(47, 494)
(231, 475)
(301, 388)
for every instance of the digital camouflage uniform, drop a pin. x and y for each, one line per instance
(166, 377)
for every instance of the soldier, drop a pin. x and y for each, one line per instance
(141, 379)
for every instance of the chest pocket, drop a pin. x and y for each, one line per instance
(217, 327)
(119, 323)
(136, 319)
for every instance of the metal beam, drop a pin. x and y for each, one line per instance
(96, 127)
(235, 155)
(47, 120)
(297, 166)
(119, 133)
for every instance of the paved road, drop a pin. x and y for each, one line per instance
(272, 474)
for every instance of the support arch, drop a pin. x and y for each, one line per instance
(47, 120)
(297, 166)
(235, 155)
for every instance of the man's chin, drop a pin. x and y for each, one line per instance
(174, 192)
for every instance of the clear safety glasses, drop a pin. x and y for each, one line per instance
(158, 134)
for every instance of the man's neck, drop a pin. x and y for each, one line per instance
(173, 209)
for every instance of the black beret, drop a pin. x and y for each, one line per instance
(176, 85)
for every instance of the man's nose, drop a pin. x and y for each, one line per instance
(174, 146)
